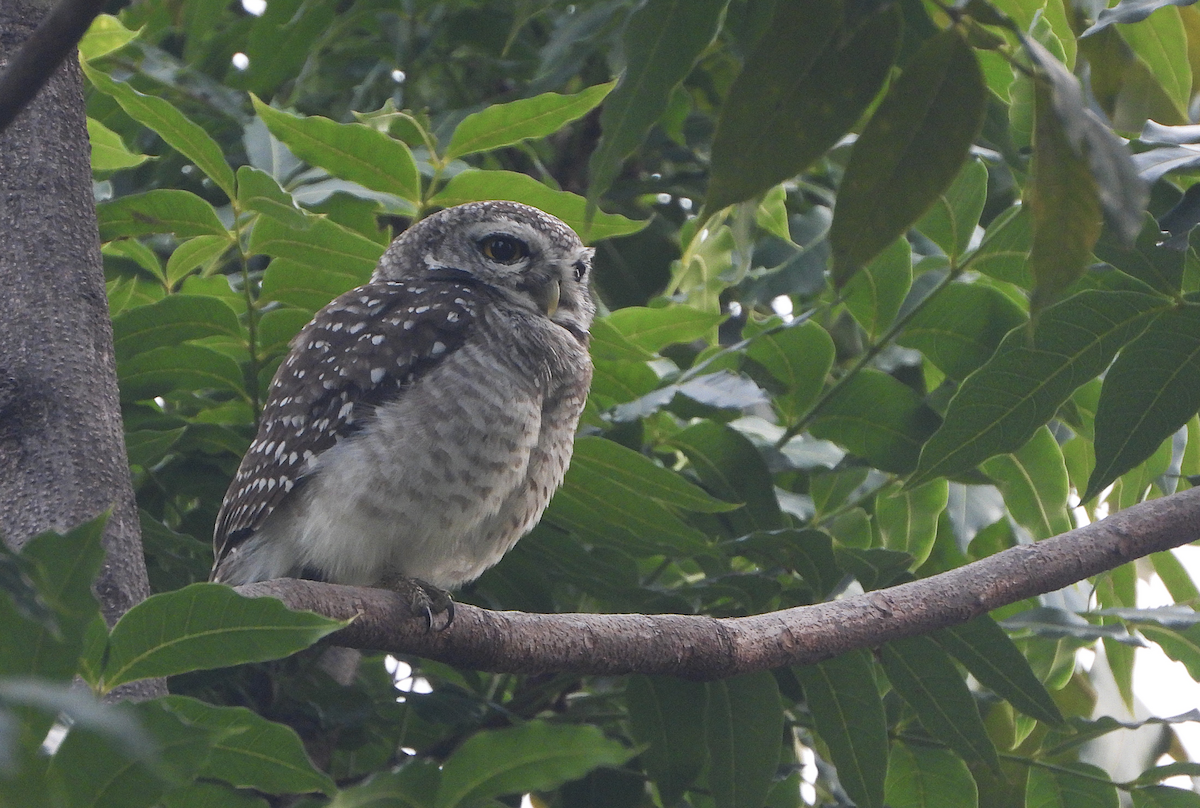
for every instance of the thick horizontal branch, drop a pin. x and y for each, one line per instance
(699, 647)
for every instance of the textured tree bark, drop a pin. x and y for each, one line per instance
(701, 647)
(62, 451)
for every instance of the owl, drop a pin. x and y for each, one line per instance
(420, 423)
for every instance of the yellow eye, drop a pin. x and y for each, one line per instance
(504, 249)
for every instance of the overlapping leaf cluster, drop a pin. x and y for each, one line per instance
(882, 294)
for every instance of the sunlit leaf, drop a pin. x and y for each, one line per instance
(350, 151)
(164, 210)
(205, 626)
(477, 186)
(182, 134)
(109, 152)
(505, 124)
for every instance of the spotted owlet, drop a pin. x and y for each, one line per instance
(420, 423)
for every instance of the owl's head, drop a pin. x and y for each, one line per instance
(528, 257)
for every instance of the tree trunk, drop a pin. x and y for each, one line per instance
(62, 451)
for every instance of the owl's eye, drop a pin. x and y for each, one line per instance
(504, 249)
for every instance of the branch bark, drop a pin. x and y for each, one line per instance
(41, 54)
(700, 647)
(62, 449)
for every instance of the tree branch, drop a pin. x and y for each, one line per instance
(42, 53)
(700, 647)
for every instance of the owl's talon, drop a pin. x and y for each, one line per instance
(427, 599)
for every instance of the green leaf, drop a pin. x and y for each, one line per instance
(662, 39)
(252, 752)
(61, 568)
(479, 186)
(277, 327)
(326, 246)
(607, 344)
(743, 733)
(147, 447)
(908, 517)
(138, 253)
(641, 476)
(1059, 788)
(162, 210)
(413, 786)
(873, 296)
(1148, 260)
(999, 407)
(308, 287)
(1122, 193)
(281, 41)
(170, 321)
(1129, 11)
(1165, 797)
(1063, 203)
(772, 214)
(1180, 645)
(531, 757)
(732, 469)
(181, 134)
(1151, 390)
(1005, 249)
(986, 651)
(877, 418)
(105, 35)
(800, 357)
(960, 327)
(654, 329)
(200, 252)
(178, 367)
(842, 695)
(924, 777)
(1034, 483)
(666, 715)
(205, 626)
(925, 677)
(92, 770)
(202, 794)
(1162, 43)
(952, 220)
(910, 151)
(258, 191)
(807, 81)
(109, 152)
(350, 151)
(505, 124)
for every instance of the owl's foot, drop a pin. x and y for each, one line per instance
(425, 599)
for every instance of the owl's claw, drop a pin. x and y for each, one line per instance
(431, 601)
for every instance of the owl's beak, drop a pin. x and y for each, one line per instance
(546, 296)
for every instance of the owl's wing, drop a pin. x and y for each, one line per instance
(363, 349)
